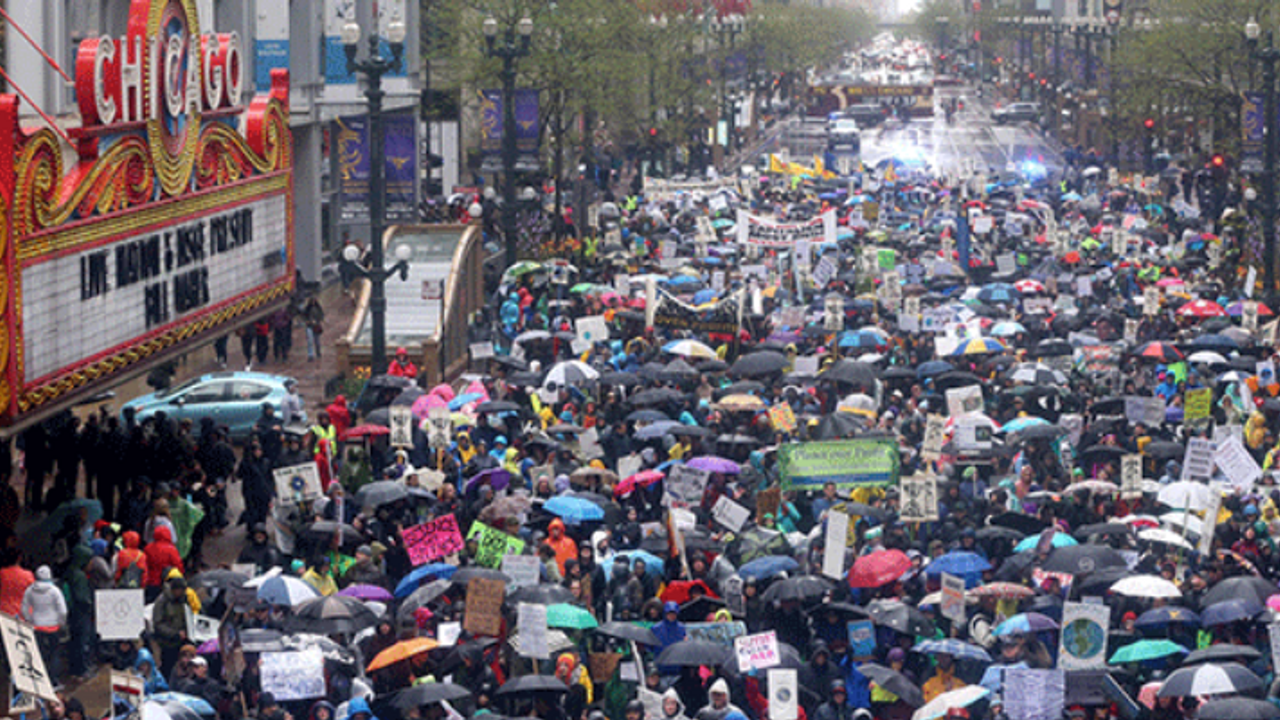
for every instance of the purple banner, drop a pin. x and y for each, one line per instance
(350, 138)
(527, 130)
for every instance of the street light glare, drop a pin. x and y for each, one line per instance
(396, 31)
(351, 253)
(525, 27)
(350, 34)
(490, 27)
(1251, 29)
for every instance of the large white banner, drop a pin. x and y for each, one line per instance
(662, 190)
(757, 230)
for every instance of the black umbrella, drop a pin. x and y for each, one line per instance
(758, 364)
(1052, 347)
(1222, 653)
(428, 694)
(619, 379)
(1245, 587)
(1164, 450)
(655, 396)
(382, 382)
(628, 631)
(531, 684)
(839, 425)
(694, 653)
(697, 609)
(333, 614)
(510, 362)
(1209, 679)
(497, 406)
(382, 492)
(466, 574)
(1098, 582)
(1022, 523)
(1238, 708)
(742, 387)
(1104, 529)
(893, 681)
(261, 640)
(219, 579)
(646, 416)
(678, 371)
(851, 372)
(997, 532)
(899, 616)
(1081, 559)
(1102, 454)
(802, 588)
(408, 396)
(842, 609)
(422, 597)
(542, 594)
(1038, 432)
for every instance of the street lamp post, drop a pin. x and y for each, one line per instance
(1267, 54)
(943, 20)
(514, 45)
(373, 68)
(727, 31)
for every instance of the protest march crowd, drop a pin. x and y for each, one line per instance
(775, 447)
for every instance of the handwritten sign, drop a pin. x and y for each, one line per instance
(768, 502)
(964, 400)
(1131, 476)
(757, 652)
(1237, 464)
(118, 614)
(532, 624)
(481, 350)
(953, 598)
(524, 570)
(919, 499)
(782, 418)
(297, 483)
(430, 540)
(721, 633)
(26, 666)
(1146, 410)
(1197, 463)
(934, 437)
(862, 639)
(492, 545)
(484, 606)
(401, 426)
(1151, 301)
(1198, 406)
(729, 513)
(685, 484)
(293, 675)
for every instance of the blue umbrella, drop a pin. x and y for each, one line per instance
(653, 564)
(1024, 623)
(767, 566)
(656, 430)
(993, 678)
(1167, 615)
(968, 565)
(1059, 540)
(573, 510)
(426, 573)
(704, 295)
(1229, 611)
(955, 648)
(863, 339)
(1022, 423)
(198, 705)
(463, 399)
(934, 367)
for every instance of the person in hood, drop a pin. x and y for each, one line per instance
(161, 554)
(145, 667)
(566, 549)
(80, 609)
(944, 680)
(718, 706)
(131, 562)
(672, 708)
(44, 606)
(14, 581)
(321, 710)
(818, 673)
(260, 552)
(358, 709)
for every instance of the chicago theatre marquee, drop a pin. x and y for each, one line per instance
(160, 223)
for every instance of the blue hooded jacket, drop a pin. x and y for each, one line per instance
(154, 682)
(357, 706)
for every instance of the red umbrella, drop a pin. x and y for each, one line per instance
(1071, 257)
(678, 591)
(878, 568)
(643, 479)
(365, 431)
(1159, 351)
(1201, 309)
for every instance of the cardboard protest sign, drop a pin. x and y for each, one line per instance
(768, 503)
(297, 483)
(1083, 640)
(833, 547)
(1210, 525)
(532, 625)
(492, 545)
(592, 329)
(484, 606)
(757, 652)
(118, 614)
(729, 513)
(1197, 464)
(919, 499)
(431, 540)
(401, 426)
(603, 665)
(685, 484)
(1146, 410)
(481, 350)
(964, 400)
(293, 675)
(26, 665)
(1197, 406)
(524, 570)
(1131, 475)
(1237, 464)
(953, 598)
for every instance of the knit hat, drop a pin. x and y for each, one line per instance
(719, 686)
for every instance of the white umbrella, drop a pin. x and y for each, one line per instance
(1208, 357)
(1184, 494)
(286, 590)
(1179, 519)
(1208, 679)
(1167, 537)
(1146, 586)
(569, 372)
(939, 706)
(257, 582)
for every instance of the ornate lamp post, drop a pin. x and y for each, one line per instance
(514, 45)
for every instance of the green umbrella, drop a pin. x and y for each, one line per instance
(721, 223)
(523, 267)
(1146, 650)
(564, 615)
(585, 287)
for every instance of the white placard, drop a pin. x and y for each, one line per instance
(532, 624)
(964, 400)
(1150, 300)
(524, 570)
(118, 614)
(1237, 464)
(729, 513)
(807, 364)
(200, 628)
(1006, 263)
(935, 435)
(1083, 636)
(629, 465)
(686, 484)
(833, 313)
(439, 427)
(1210, 525)
(783, 694)
(757, 652)
(622, 284)
(1131, 476)
(983, 224)
(1273, 632)
(26, 665)
(1146, 410)
(297, 483)
(1250, 280)
(919, 502)
(1197, 464)
(834, 544)
(1084, 286)
(953, 598)
(909, 318)
(592, 329)
(401, 426)
(293, 675)
(1130, 330)
(717, 281)
(448, 633)
(481, 350)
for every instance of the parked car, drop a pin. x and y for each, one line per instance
(1016, 112)
(844, 134)
(865, 114)
(233, 399)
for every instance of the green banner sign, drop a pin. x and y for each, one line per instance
(847, 463)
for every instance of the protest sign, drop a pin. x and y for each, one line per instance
(126, 687)
(782, 417)
(833, 548)
(439, 428)
(847, 463)
(492, 545)
(118, 614)
(297, 483)
(1237, 464)
(733, 596)
(1273, 632)
(934, 437)
(1130, 330)
(729, 513)
(293, 675)
(401, 426)
(603, 665)
(765, 232)
(685, 484)
(757, 652)
(1033, 694)
(652, 702)
(1034, 306)
(919, 499)
(833, 313)
(524, 570)
(448, 633)
(1084, 286)
(720, 633)
(1150, 300)
(1083, 644)
(1006, 264)
(1210, 525)
(200, 628)
(1197, 406)
(909, 318)
(1197, 463)
(26, 665)
(431, 540)
(629, 465)
(484, 606)
(1249, 316)
(481, 350)
(964, 400)
(862, 639)
(532, 625)
(1131, 475)
(767, 502)
(592, 329)
(824, 272)
(783, 694)
(1146, 410)
(953, 598)
(807, 365)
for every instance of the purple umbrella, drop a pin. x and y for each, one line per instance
(367, 592)
(715, 464)
(497, 477)
(208, 647)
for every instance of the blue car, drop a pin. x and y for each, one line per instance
(233, 399)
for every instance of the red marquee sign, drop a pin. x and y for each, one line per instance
(169, 222)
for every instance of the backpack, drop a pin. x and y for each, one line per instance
(132, 577)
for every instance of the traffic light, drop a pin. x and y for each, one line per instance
(1149, 124)
(1044, 82)
(653, 132)
(1031, 75)
(1218, 161)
